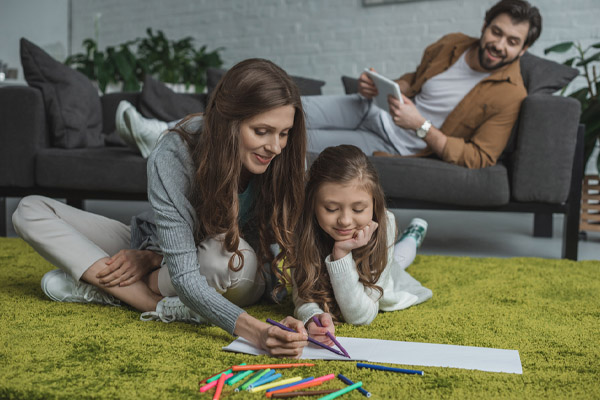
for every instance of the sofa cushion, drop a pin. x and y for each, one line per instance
(545, 76)
(436, 181)
(72, 102)
(307, 87)
(160, 102)
(106, 169)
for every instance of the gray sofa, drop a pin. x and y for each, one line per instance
(540, 172)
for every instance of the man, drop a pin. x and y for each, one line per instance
(466, 95)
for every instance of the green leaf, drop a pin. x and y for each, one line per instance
(559, 48)
(595, 57)
(596, 45)
(570, 61)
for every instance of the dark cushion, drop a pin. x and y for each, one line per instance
(105, 169)
(71, 100)
(435, 181)
(160, 102)
(350, 84)
(307, 87)
(545, 76)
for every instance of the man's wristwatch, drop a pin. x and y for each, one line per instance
(422, 131)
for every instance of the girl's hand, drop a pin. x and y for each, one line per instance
(128, 266)
(281, 343)
(320, 333)
(360, 238)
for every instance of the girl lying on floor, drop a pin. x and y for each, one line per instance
(346, 265)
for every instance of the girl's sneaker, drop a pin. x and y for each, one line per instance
(417, 229)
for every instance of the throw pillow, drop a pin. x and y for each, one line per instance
(71, 100)
(545, 76)
(350, 84)
(307, 86)
(160, 102)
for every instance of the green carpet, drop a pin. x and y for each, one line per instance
(547, 309)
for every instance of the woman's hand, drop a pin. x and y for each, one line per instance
(128, 266)
(276, 341)
(320, 333)
(360, 238)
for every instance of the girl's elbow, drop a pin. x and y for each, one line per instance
(360, 319)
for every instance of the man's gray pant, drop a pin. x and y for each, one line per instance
(344, 119)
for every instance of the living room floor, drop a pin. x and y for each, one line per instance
(453, 233)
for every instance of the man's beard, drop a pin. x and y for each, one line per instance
(501, 64)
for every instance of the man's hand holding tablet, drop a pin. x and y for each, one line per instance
(384, 87)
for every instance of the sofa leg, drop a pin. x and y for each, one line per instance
(3, 216)
(542, 225)
(77, 203)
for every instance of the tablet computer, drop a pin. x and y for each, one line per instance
(385, 87)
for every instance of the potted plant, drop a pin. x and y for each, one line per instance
(170, 61)
(590, 116)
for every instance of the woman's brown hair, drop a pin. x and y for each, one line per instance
(251, 87)
(341, 164)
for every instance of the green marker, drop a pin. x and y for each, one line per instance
(214, 378)
(341, 392)
(238, 377)
(254, 379)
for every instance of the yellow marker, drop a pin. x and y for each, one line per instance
(275, 384)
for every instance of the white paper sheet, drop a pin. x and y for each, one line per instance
(408, 353)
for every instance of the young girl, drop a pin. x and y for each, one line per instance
(345, 266)
(235, 174)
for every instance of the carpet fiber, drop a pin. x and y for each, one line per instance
(549, 310)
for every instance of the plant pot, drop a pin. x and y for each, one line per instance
(590, 204)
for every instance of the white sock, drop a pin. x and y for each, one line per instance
(405, 251)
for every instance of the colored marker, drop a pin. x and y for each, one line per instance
(238, 377)
(211, 385)
(236, 368)
(349, 382)
(286, 385)
(303, 393)
(330, 336)
(275, 384)
(216, 376)
(325, 378)
(285, 328)
(384, 368)
(297, 387)
(341, 392)
(262, 378)
(264, 381)
(254, 379)
(220, 384)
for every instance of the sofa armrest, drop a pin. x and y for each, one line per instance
(543, 160)
(23, 131)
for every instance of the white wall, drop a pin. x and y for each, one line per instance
(45, 23)
(322, 39)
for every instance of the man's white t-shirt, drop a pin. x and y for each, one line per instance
(436, 100)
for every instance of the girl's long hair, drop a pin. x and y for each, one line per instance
(251, 87)
(340, 164)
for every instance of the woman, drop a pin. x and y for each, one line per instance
(238, 172)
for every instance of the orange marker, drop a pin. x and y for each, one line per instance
(211, 385)
(304, 385)
(236, 368)
(220, 384)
